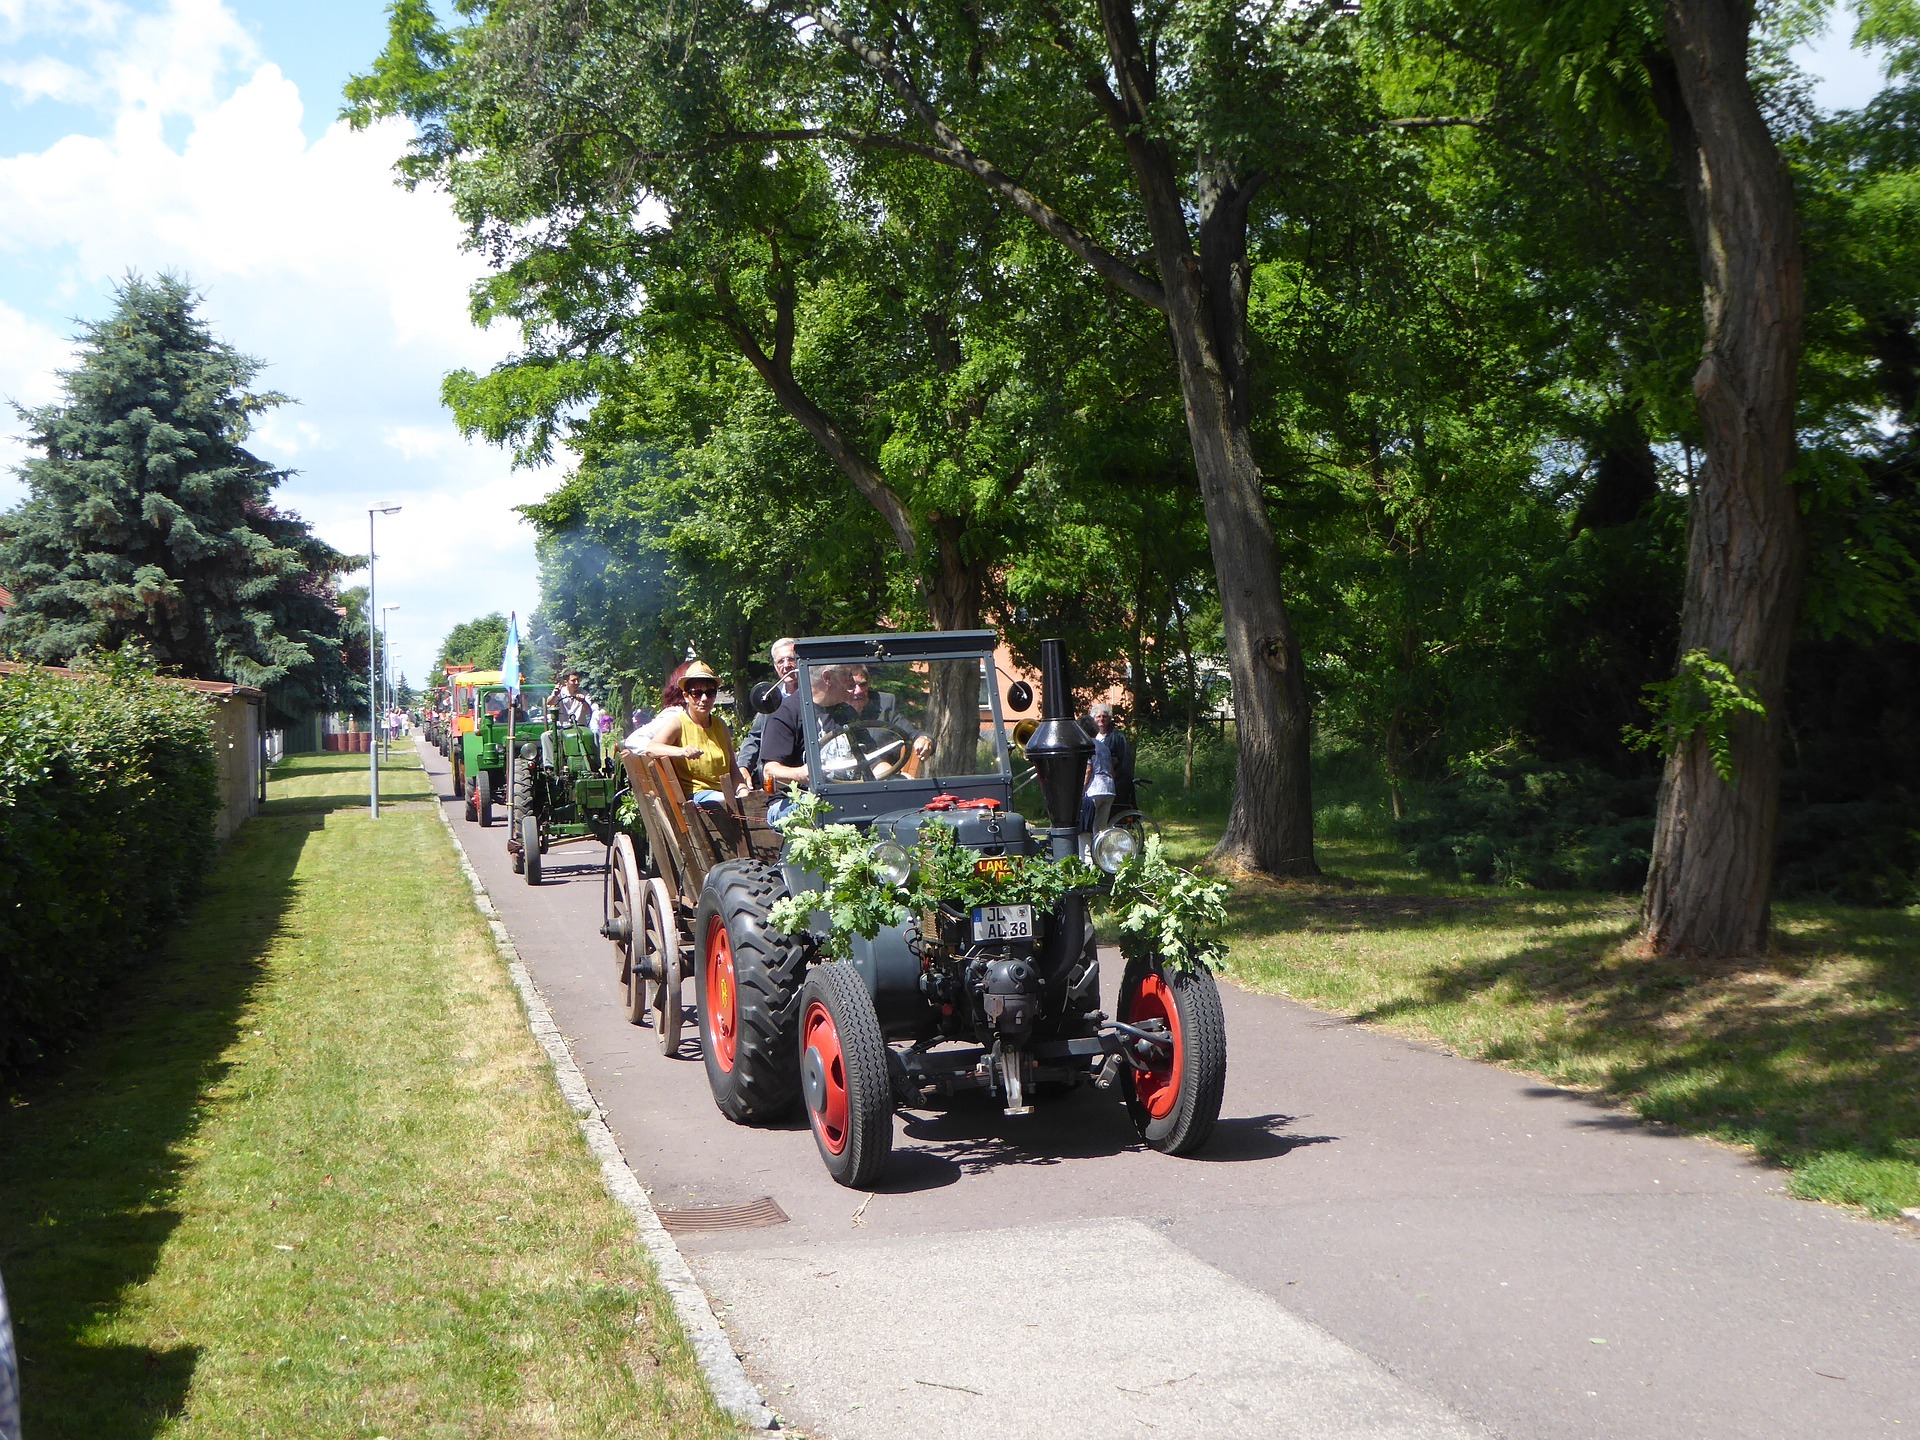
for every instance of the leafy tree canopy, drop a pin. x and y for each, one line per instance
(147, 519)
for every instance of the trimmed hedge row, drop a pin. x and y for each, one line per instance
(108, 796)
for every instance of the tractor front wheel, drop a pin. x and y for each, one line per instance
(483, 798)
(1174, 1097)
(530, 846)
(843, 1075)
(747, 987)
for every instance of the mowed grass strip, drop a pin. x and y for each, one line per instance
(1809, 1056)
(312, 1176)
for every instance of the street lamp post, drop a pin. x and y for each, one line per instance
(386, 672)
(373, 670)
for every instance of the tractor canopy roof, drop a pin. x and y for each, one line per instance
(474, 679)
(905, 645)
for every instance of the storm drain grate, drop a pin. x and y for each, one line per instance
(748, 1215)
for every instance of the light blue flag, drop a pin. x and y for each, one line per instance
(510, 657)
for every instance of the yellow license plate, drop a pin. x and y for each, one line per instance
(997, 866)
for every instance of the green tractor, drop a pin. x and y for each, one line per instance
(565, 787)
(499, 725)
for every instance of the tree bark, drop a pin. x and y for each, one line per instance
(1710, 886)
(953, 600)
(957, 586)
(1202, 292)
(1270, 825)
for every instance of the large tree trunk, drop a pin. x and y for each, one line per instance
(1270, 826)
(953, 600)
(1709, 891)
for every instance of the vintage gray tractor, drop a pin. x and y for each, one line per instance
(1002, 998)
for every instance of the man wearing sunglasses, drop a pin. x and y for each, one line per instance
(875, 711)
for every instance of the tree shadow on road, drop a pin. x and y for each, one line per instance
(1810, 1054)
(94, 1146)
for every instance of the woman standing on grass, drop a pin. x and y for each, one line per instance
(693, 737)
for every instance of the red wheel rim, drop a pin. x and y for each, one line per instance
(1157, 1089)
(722, 1012)
(823, 1070)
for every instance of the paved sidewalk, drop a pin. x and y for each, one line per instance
(1381, 1240)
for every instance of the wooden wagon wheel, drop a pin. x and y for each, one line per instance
(623, 910)
(661, 928)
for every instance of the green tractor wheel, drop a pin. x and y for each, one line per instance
(530, 846)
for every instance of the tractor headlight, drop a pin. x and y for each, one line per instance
(892, 864)
(1113, 848)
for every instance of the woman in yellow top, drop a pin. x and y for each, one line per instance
(687, 732)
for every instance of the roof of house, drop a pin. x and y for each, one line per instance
(216, 689)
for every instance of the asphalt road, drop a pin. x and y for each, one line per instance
(1381, 1240)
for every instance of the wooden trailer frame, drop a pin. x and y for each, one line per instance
(653, 898)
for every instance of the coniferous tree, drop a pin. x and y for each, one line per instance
(147, 519)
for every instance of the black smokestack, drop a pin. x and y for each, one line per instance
(1059, 748)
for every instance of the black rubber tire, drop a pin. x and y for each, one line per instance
(1141, 827)
(462, 790)
(483, 798)
(530, 846)
(513, 822)
(866, 1134)
(763, 1081)
(1202, 1026)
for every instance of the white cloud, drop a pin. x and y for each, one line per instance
(30, 357)
(419, 442)
(352, 290)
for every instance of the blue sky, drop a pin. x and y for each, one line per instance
(199, 136)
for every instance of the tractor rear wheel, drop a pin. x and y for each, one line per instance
(747, 979)
(843, 1075)
(483, 798)
(462, 791)
(662, 934)
(1174, 1100)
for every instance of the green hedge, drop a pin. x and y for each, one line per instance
(1555, 826)
(108, 796)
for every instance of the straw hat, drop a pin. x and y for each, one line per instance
(699, 670)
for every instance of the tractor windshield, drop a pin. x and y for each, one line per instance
(877, 721)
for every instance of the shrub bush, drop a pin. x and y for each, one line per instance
(1555, 826)
(1863, 852)
(108, 795)
(1160, 762)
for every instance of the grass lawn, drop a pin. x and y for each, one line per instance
(311, 1176)
(1809, 1056)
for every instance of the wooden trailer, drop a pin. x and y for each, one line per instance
(653, 888)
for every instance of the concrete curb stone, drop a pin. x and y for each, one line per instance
(737, 1394)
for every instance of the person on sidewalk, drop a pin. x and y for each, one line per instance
(1111, 754)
